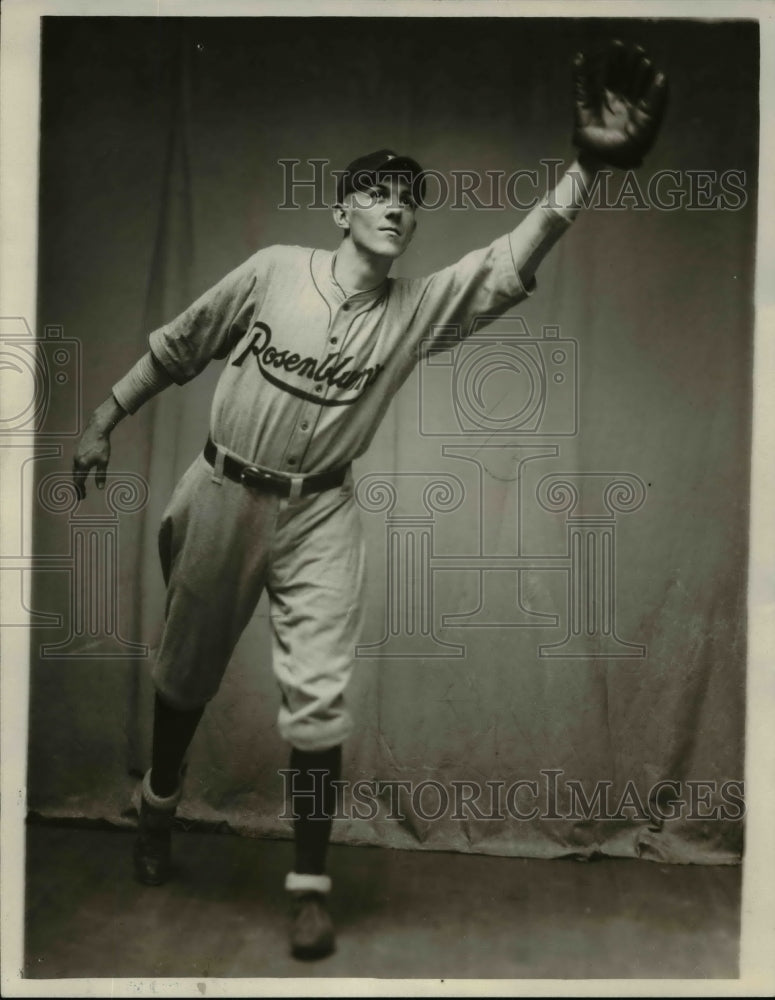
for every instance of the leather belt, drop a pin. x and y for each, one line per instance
(271, 482)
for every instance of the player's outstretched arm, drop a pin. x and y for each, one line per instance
(619, 103)
(141, 383)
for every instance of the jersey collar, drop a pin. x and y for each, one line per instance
(322, 267)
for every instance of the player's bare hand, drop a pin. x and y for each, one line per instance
(620, 99)
(92, 452)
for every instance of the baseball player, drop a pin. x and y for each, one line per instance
(316, 343)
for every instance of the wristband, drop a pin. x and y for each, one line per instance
(141, 383)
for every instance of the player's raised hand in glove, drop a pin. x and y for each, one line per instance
(620, 99)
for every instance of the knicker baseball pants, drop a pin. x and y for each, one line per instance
(222, 543)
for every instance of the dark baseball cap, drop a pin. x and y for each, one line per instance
(361, 173)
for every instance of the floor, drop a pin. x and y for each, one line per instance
(399, 914)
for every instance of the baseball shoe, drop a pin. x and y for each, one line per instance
(312, 932)
(153, 844)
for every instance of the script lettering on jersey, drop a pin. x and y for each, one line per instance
(333, 369)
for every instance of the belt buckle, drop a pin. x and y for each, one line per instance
(252, 476)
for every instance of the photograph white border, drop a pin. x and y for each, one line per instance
(19, 116)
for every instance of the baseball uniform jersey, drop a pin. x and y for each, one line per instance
(309, 373)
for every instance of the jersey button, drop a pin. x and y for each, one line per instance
(346, 307)
(304, 425)
(291, 461)
(318, 387)
(334, 340)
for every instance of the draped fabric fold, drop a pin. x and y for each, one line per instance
(553, 660)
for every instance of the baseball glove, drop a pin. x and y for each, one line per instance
(619, 103)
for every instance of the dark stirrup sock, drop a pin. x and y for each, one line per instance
(314, 802)
(173, 730)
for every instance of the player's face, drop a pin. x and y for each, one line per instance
(382, 218)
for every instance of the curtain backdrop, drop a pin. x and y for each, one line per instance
(556, 515)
